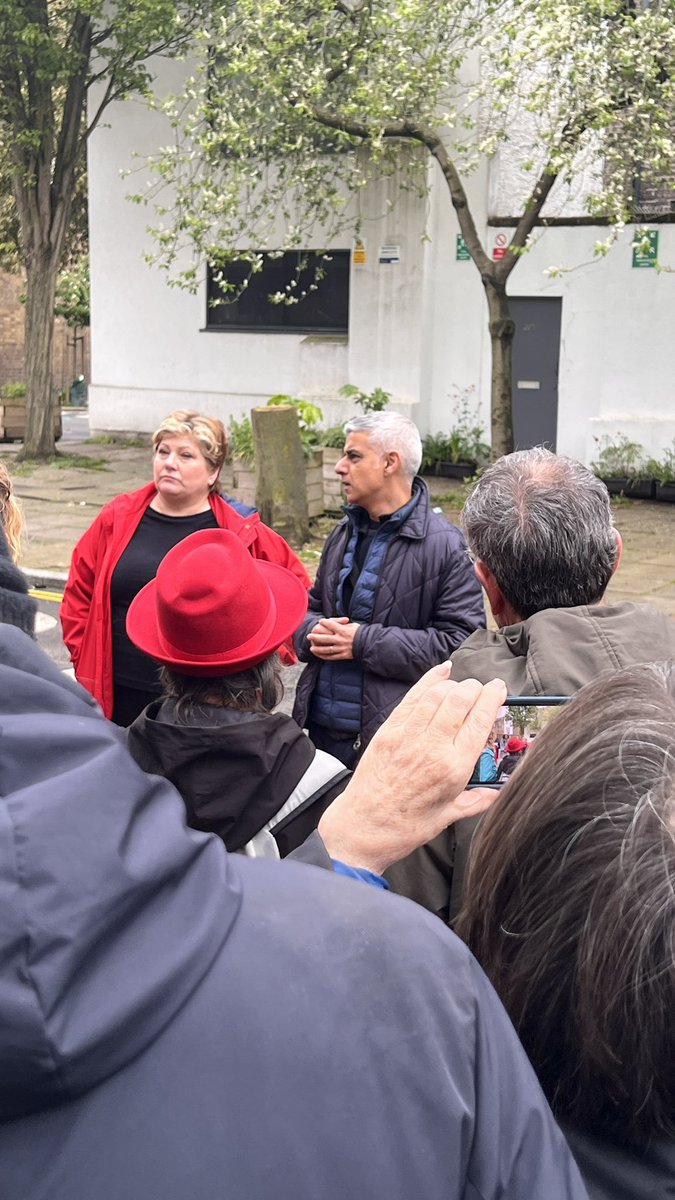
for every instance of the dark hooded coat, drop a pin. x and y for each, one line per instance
(177, 1023)
(236, 770)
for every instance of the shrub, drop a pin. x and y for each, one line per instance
(465, 442)
(368, 402)
(13, 391)
(621, 459)
(240, 440)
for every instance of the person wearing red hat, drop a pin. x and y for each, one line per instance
(214, 618)
(515, 752)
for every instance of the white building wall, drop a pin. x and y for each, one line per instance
(617, 354)
(418, 327)
(457, 341)
(151, 351)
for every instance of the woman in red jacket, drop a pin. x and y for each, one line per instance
(123, 548)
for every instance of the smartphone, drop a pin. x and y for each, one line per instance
(519, 722)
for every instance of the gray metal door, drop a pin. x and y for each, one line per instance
(536, 351)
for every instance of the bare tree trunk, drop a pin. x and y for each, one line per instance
(42, 268)
(281, 490)
(502, 329)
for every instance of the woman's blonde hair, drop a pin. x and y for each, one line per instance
(208, 431)
(11, 517)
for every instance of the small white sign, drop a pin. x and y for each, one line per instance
(390, 254)
(529, 385)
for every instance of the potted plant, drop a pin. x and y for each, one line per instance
(332, 438)
(663, 473)
(241, 446)
(623, 468)
(332, 441)
(460, 452)
(434, 453)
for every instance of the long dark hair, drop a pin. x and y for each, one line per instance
(570, 905)
(258, 689)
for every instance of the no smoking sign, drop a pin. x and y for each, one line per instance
(500, 246)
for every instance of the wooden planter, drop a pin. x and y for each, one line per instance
(314, 484)
(245, 480)
(333, 497)
(13, 420)
(633, 489)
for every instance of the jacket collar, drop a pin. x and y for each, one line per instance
(410, 521)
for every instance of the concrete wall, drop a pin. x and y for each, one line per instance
(417, 327)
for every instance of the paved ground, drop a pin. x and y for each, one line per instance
(61, 500)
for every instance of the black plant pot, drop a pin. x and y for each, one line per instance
(634, 489)
(457, 470)
(665, 492)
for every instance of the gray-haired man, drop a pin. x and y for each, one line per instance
(395, 592)
(540, 529)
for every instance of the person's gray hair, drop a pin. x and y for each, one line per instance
(391, 431)
(257, 689)
(542, 524)
(570, 905)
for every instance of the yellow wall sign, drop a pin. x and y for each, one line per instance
(359, 253)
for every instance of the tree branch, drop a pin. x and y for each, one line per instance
(526, 223)
(436, 147)
(351, 10)
(533, 206)
(68, 147)
(428, 137)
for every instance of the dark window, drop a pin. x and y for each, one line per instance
(653, 197)
(317, 284)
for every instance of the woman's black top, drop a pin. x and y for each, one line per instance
(155, 536)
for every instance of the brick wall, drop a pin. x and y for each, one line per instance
(68, 362)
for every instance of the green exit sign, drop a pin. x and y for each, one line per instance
(462, 253)
(646, 248)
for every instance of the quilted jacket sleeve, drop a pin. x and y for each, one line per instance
(398, 652)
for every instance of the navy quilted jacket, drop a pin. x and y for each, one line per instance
(425, 601)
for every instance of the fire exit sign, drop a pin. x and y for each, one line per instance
(646, 248)
(462, 252)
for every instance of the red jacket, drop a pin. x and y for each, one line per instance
(86, 610)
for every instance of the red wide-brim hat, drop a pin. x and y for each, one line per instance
(515, 745)
(213, 609)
